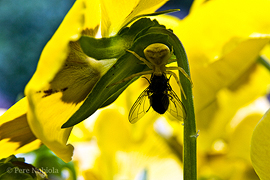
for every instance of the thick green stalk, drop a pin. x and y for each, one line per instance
(190, 138)
(264, 61)
(190, 132)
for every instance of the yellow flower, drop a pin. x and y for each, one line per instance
(65, 75)
(120, 150)
(15, 133)
(260, 147)
(223, 40)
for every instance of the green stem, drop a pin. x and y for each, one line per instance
(264, 61)
(190, 132)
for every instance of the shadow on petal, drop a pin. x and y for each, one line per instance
(17, 130)
(15, 133)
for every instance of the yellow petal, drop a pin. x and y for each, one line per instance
(63, 79)
(46, 118)
(15, 133)
(260, 145)
(240, 139)
(52, 59)
(211, 27)
(212, 119)
(118, 148)
(197, 4)
(53, 105)
(225, 71)
(56, 50)
(116, 14)
(109, 138)
(237, 57)
(92, 15)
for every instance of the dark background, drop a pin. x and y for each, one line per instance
(25, 28)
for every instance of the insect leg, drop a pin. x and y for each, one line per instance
(147, 80)
(132, 76)
(171, 60)
(182, 71)
(141, 59)
(178, 82)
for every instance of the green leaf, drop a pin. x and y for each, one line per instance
(264, 61)
(127, 65)
(15, 176)
(112, 47)
(15, 168)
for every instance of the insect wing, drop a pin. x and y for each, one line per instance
(140, 107)
(176, 107)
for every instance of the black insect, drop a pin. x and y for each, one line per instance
(160, 96)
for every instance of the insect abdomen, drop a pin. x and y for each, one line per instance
(159, 102)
